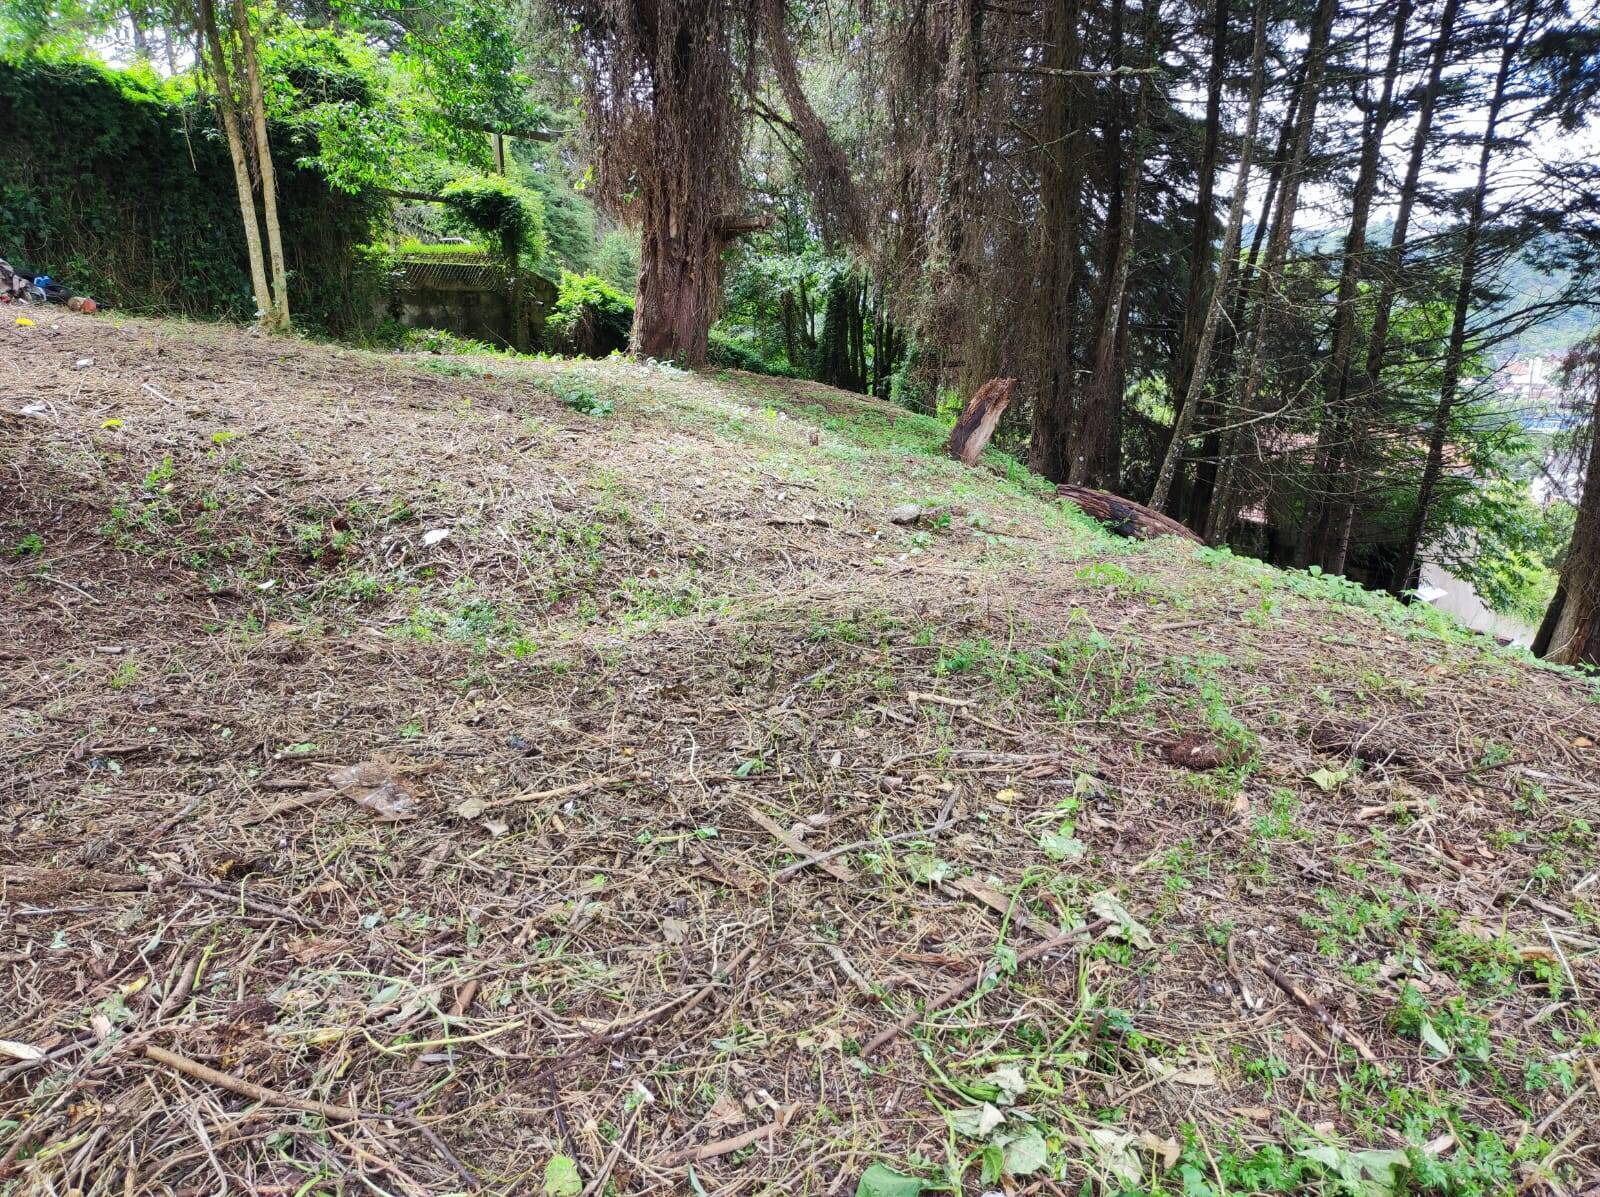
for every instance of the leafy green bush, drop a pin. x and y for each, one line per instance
(509, 218)
(733, 354)
(579, 397)
(590, 318)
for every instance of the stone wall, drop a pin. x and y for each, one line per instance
(470, 299)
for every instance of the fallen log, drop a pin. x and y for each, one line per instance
(1124, 516)
(978, 420)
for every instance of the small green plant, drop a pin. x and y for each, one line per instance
(30, 545)
(590, 318)
(579, 397)
(126, 673)
(160, 474)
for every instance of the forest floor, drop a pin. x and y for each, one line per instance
(413, 773)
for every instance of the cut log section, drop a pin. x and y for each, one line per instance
(1124, 516)
(978, 420)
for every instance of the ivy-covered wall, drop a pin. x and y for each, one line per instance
(119, 185)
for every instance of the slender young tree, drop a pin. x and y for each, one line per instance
(276, 318)
(1096, 449)
(1514, 32)
(227, 103)
(1391, 272)
(1335, 417)
(1190, 402)
(1268, 300)
(1202, 265)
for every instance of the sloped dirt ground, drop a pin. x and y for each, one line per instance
(409, 782)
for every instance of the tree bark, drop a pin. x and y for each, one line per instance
(277, 317)
(1061, 190)
(1124, 516)
(211, 35)
(1190, 402)
(979, 419)
(1571, 631)
(680, 270)
(1456, 352)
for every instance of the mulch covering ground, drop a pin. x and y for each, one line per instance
(407, 780)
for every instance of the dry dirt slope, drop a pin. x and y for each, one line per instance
(591, 684)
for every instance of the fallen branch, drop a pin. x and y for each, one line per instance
(961, 988)
(1335, 1028)
(1124, 516)
(708, 1151)
(250, 1089)
(793, 842)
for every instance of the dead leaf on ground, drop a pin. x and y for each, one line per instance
(375, 786)
(724, 1113)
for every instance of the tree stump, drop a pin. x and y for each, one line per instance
(978, 420)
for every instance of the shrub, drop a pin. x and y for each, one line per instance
(509, 218)
(591, 318)
(733, 354)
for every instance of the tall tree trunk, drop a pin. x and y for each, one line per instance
(277, 318)
(1060, 198)
(1572, 632)
(1195, 308)
(1190, 402)
(1268, 301)
(1208, 468)
(211, 36)
(1456, 352)
(1342, 519)
(1097, 444)
(680, 271)
(1314, 540)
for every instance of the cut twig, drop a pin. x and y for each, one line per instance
(939, 825)
(794, 843)
(1335, 1028)
(477, 807)
(961, 988)
(676, 1008)
(250, 1089)
(707, 1151)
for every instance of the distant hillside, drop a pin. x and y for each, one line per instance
(1522, 282)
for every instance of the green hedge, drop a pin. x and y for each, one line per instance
(119, 185)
